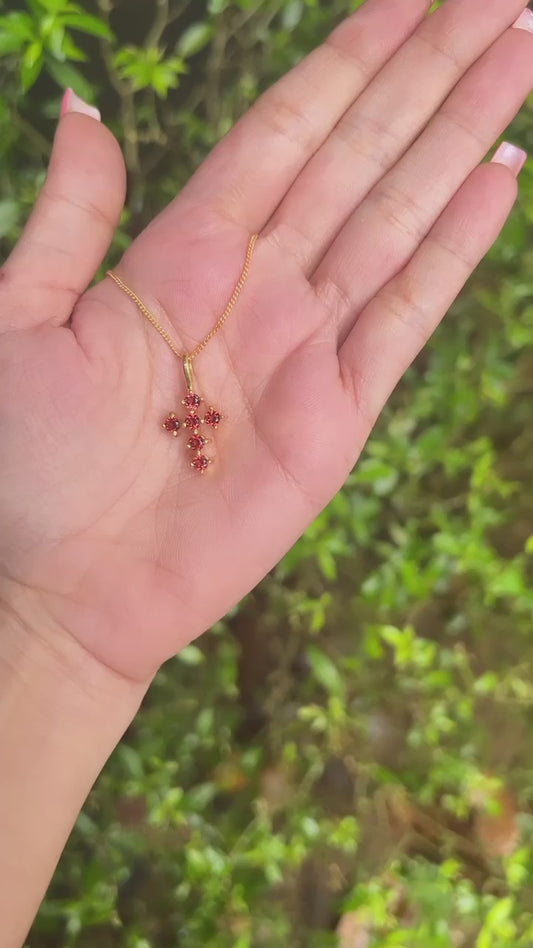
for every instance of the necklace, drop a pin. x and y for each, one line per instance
(193, 419)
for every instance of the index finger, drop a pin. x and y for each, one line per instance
(250, 170)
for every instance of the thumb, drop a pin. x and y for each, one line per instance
(72, 224)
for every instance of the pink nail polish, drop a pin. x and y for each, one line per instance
(72, 103)
(64, 102)
(525, 21)
(512, 157)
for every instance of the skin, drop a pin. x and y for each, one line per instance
(360, 171)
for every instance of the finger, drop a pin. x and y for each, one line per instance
(384, 121)
(251, 169)
(71, 226)
(386, 229)
(395, 326)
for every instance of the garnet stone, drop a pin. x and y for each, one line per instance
(172, 424)
(193, 421)
(200, 463)
(196, 442)
(213, 418)
(191, 400)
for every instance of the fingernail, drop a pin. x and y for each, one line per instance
(512, 157)
(525, 21)
(72, 103)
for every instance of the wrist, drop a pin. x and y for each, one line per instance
(34, 647)
(61, 715)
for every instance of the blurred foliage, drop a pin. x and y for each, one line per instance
(345, 760)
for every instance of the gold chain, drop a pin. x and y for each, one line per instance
(227, 312)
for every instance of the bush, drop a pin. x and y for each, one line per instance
(346, 759)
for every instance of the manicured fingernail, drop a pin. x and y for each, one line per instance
(525, 21)
(72, 103)
(514, 158)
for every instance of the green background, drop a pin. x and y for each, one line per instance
(347, 759)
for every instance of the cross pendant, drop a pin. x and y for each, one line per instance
(192, 421)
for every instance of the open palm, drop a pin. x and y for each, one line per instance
(361, 173)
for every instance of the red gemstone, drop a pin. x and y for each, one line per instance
(172, 424)
(196, 442)
(213, 418)
(200, 463)
(193, 421)
(191, 400)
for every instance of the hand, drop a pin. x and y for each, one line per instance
(360, 170)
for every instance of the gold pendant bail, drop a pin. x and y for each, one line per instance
(187, 369)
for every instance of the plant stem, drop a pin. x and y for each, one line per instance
(129, 118)
(159, 25)
(31, 133)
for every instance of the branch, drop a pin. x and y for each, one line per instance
(213, 78)
(129, 117)
(178, 10)
(161, 21)
(31, 133)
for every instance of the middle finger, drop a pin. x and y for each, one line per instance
(383, 123)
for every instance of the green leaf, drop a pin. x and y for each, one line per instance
(327, 564)
(71, 51)
(195, 37)
(54, 43)
(9, 42)
(18, 25)
(325, 672)
(67, 76)
(499, 913)
(161, 81)
(391, 635)
(486, 684)
(33, 54)
(131, 760)
(9, 215)
(191, 655)
(292, 14)
(32, 63)
(382, 476)
(36, 8)
(86, 23)
(146, 67)
(217, 6)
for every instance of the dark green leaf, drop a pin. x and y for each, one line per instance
(67, 76)
(72, 51)
(86, 23)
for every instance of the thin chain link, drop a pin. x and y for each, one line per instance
(218, 326)
(146, 312)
